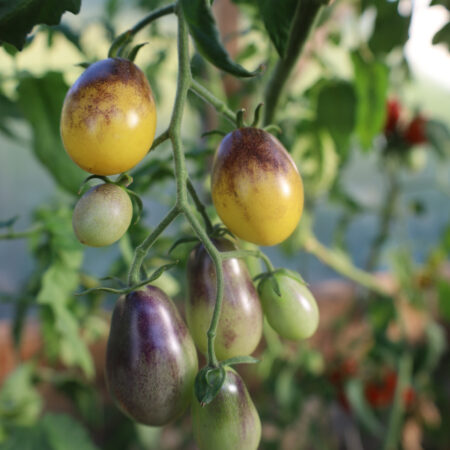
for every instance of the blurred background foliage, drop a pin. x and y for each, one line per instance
(365, 116)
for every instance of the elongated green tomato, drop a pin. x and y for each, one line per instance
(108, 119)
(293, 315)
(230, 421)
(102, 215)
(151, 361)
(240, 325)
(256, 188)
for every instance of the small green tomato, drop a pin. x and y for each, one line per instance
(293, 315)
(102, 215)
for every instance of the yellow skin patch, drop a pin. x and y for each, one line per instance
(256, 188)
(108, 120)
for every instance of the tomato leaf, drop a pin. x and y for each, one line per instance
(391, 28)
(17, 18)
(202, 27)
(277, 18)
(40, 100)
(207, 384)
(20, 403)
(371, 83)
(336, 112)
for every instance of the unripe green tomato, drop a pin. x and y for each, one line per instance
(102, 215)
(293, 315)
(230, 421)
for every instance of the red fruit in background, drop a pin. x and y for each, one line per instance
(415, 131)
(380, 394)
(393, 114)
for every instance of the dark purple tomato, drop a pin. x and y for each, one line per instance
(230, 421)
(151, 361)
(240, 325)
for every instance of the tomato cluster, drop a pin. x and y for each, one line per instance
(107, 126)
(400, 133)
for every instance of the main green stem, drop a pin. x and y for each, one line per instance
(182, 205)
(127, 35)
(302, 23)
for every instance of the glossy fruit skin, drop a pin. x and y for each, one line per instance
(102, 215)
(241, 319)
(151, 361)
(230, 421)
(108, 120)
(256, 187)
(295, 314)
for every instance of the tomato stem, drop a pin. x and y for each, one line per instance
(209, 97)
(245, 253)
(200, 206)
(183, 184)
(126, 37)
(398, 408)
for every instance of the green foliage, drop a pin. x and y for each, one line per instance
(371, 85)
(18, 17)
(55, 294)
(40, 100)
(203, 29)
(20, 402)
(52, 432)
(277, 17)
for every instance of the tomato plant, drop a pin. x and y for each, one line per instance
(326, 120)
(240, 325)
(102, 215)
(151, 360)
(230, 421)
(256, 187)
(293, 312)
(108, 120)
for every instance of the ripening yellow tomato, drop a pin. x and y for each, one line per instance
(108, 119)
(256, 187)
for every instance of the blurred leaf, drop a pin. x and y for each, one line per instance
(8, 110)
(371, 83)
(203, 29)
(59, 281)
(444, 299)
(20, 403)
(442, 36)
(354, 389)
(70, 34)
(277, 17)
(64, 433)
(437, 343)
(41, 101)
(53, 432)
(391, 28)
(438, 135)
(17, 18)
(336, 112)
